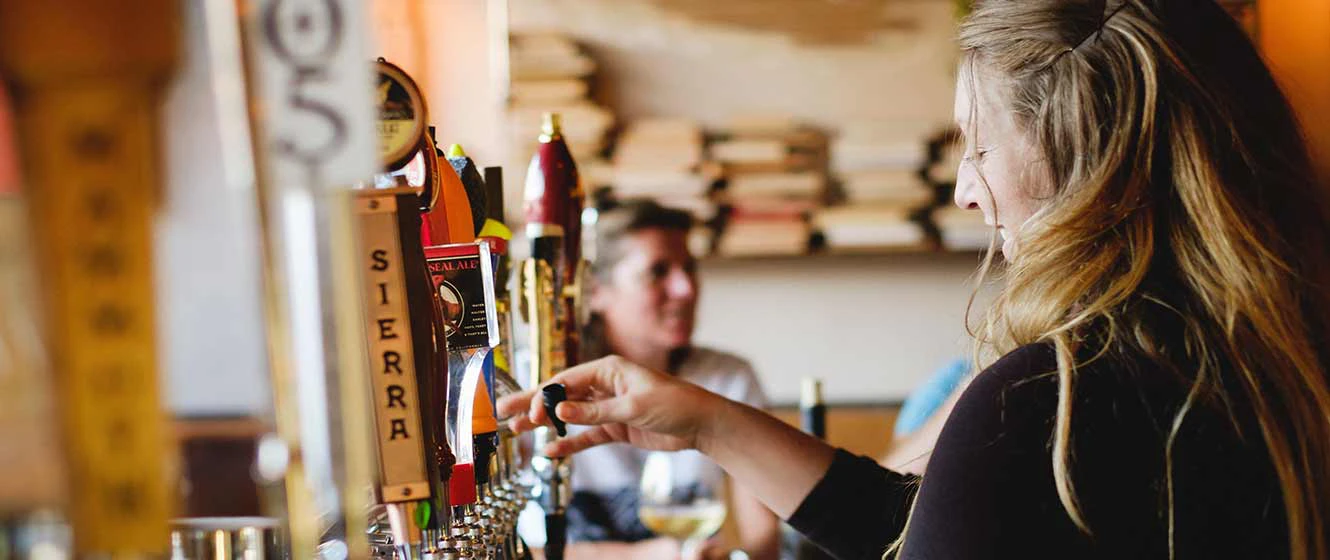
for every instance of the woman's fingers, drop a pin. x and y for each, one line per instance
(594, 377)
(579, 412)
(617, 409)
(592, 394)
(565, 446)
(514, 405)
(521, 424)
(523, 411)
(581, 382)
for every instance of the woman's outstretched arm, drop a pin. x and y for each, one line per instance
(629, 403)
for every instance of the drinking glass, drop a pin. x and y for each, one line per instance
(682, 496)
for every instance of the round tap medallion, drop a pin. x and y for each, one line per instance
(401, 115)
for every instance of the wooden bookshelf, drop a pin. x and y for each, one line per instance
(913, 254)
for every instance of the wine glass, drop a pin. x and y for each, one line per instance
(682, 496)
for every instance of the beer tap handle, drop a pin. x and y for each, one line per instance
(553, 394)
(556, 536)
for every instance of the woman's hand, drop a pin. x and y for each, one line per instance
(649, 410)
(625, 402)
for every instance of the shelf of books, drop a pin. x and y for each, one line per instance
(762, 186)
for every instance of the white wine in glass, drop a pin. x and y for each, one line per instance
(698, 520)
(682, 497)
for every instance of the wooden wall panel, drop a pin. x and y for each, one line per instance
(217, 462)
(862, 430)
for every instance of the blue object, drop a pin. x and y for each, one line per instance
(925, 400)
(488, 371)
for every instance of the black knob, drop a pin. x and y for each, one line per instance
(554, 394)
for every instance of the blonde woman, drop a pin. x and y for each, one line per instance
(1162, 387)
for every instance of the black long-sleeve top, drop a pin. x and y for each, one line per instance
(989, 490)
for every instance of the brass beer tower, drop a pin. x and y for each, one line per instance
(87, 79)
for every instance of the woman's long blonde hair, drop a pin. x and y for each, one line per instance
(1183, 200)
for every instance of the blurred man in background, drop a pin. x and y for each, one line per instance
(643, 302)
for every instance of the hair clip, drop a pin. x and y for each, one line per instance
(1102, 23)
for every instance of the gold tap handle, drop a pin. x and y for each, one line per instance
(538, 303)
(522, 309)
(576, 294)
(89, 78)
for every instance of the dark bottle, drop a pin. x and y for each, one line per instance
(813, 420)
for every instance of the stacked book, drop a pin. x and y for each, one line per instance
(663, 159)
(943, 170)
(550, 73)
(870, 146)
(866, 227)
(761, 236)
(880, 168)
(774, 171)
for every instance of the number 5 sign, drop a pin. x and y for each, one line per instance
(314, 92)
(311, 82)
